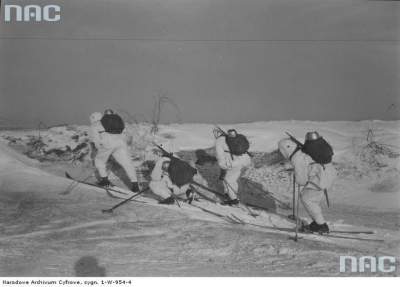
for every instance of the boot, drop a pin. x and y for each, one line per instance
(231, 202)
(308, 228)
(135, 187)
(314, 227)
(323, 228)
(168, 200)
(222, 174)
(104, 182)
(189, 195)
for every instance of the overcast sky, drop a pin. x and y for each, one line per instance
(220, 60)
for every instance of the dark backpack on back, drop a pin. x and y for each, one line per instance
(238, 145)
(113, 124)
(180, 172)
(319, 150)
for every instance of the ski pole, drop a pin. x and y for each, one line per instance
(293, 215)
(297, 213)
(205, 188)
(110, 210)
(294, 194)
(176, 199)
(326, 197)
(201, 195)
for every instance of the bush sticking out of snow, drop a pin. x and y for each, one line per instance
(371, 154)
(72, 143)
(368, 157)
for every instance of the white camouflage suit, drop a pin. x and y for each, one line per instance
(312, 176)
(162, 185)
(233, 165)
(110, 145)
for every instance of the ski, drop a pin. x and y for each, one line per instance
(244, 208)
(338, 231)
(107, 189)
(204, 196)
(247, 209)
(238, 220)
(353, 231)
(345, 237)
(291, 230)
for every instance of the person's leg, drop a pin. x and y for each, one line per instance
(100, 162)
(231, 185)
(311, 199)
(160, 189)
(122, 156)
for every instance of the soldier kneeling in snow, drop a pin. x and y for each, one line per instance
(165, 182)
(107, 135)
(314, 171)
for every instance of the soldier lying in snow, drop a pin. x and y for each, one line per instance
(162, 185)
(315, 178)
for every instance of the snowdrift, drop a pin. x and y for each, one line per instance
(19, 174)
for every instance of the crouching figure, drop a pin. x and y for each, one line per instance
(315, 176)
(165, 184)
(232, 154)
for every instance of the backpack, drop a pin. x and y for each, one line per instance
(319, 150)
(238, 145)
(113, 124)
(180, 172)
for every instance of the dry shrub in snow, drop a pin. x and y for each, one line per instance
(372, 152)
(159, 103)
(140, 138)
(367, 157)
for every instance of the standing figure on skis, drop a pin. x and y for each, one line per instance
(313, 171)
(109, 139)
(232, 155)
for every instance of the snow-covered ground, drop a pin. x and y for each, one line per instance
(45, 231)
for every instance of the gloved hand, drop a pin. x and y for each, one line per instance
(190, 195)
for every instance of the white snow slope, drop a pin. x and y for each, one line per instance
(370, 184)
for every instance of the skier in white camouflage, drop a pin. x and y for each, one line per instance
(315, 178)
(162, 185)
(107, 136)
(230, 161)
